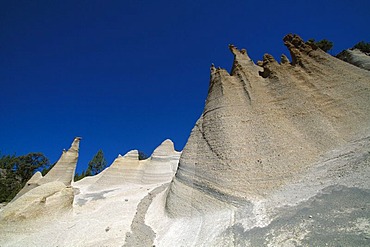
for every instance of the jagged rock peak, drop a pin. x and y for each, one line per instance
(49, 194)
(75, 144)
(297, 47)
(159, 168)
(267, 58)
(166, 148)
(234, 50)
(213, 68)
(265, 158)
(295, 41)
(62, 171)
(240, 56)
(132, 155)
(256, 134)
(267, 61)
(218, 70)
(284, 59)
(241, 59)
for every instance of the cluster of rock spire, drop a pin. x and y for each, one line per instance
(267, 130)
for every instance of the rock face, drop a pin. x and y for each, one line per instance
(45, 196)
(279, 157)
(260, 131)
(355, 57)
(101, 210)
(256, 133)
(62, 171)
(159, 168)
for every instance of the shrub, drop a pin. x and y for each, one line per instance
(362, 46)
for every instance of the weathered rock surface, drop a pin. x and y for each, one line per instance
(44, 195)
(62, 171)
(258, 134)
(46, 199)
(159, 168)
(43, 199)
(279, 157)
(355, 57)
(101, 210)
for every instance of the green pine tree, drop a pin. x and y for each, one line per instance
(16, 171)
(97, 164)
(323, 44)
(142, 155)
(79, 176)
(363, 46)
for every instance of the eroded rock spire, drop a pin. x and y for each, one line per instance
(260, 129)
(62, 171)
(46, 196)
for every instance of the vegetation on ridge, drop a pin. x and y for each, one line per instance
(15, 171)
(97, 164)
(363, 46)
(323, 44)
(142, 155)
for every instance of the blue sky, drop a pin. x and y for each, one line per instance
(129, 74)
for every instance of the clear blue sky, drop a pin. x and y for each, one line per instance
(128, 74)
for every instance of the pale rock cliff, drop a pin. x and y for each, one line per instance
(262, 130)
(258, 132)
(103, 210)
(62, 171)
(159, 168)
(279, 157)
(39, 194)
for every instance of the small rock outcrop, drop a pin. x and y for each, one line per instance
(48, 195)
(159, 168)
(114, 202)
(355, 57)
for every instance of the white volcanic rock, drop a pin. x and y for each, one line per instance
(62, 171)
(159, 168)
(45, 194)
(115, 202)
(257, 135)
(162, 165)
(355, 57)
(44, 200)
(104, 210)
(279, 157)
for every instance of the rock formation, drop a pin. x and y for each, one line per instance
(113, 202)
(279, 157)
(355, 57)
(49, 195)
(262, 129)
(62, 171)
(258, 132)
(159, 168)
